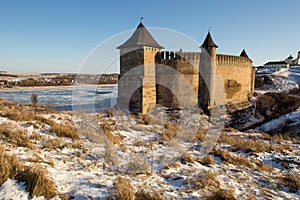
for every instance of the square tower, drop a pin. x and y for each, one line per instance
(137, 84)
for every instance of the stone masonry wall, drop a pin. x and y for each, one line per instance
(177, 72)
(237, 75)
(169, 78)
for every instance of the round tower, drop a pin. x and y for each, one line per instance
(207, 70)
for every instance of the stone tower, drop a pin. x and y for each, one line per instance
(207, 72)
(136, 85)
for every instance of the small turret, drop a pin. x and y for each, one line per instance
(210, 46)
(244, 54)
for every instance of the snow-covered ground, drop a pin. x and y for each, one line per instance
(87, 168)
(284, 79)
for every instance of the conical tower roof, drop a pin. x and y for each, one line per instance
(208, 42)
(141, 37)
(244, 54)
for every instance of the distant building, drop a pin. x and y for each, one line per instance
(277, 64)
(297, 60)
(288, 62)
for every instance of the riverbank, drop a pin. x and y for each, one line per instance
(50, 87)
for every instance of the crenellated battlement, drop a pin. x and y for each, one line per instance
(230, 59)
(166, 56)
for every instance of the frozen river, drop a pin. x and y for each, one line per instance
(89, 98)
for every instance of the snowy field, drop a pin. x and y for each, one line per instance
(148, 158)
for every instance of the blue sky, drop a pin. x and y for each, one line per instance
(58, 35)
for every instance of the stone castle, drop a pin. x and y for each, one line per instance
(150, 76)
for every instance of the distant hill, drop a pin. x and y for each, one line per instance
(55, 79)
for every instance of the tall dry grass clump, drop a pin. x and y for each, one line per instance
(222, 194)
(170, 131)
(207, 180)
(291, 181)
(16, 136)
(234, 159)
(206, 160)
(65, 130)
(9, 166)
(245, 145)
(38, 182)
(145, 195)
(122, 190)
(108, 131)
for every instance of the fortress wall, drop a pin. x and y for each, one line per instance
(184, 63)
(237, 74)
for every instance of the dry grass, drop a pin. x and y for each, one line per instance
(110, 155)
(261, 166)
(38, 182)
(140, 142)
(65, 130)
(147, 119)
(36, 178)
(137, 164)
(35, 136)
(291, 181)
(145, 195)
(9, 166)
(139, 127)
(174, 165)
(122, 190)
(43, 120)
(17, 113)
(16, 136)
(207, 180)
(206, 160)
(143, 119)
(239, 160)
(125, 126)
(254, 145)
(245, 145)
(170, 131)
(222, 194)
(89, 132)
(200, 135)
(52, 144)
(234, 159)
(186, 158)
(108, 131)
